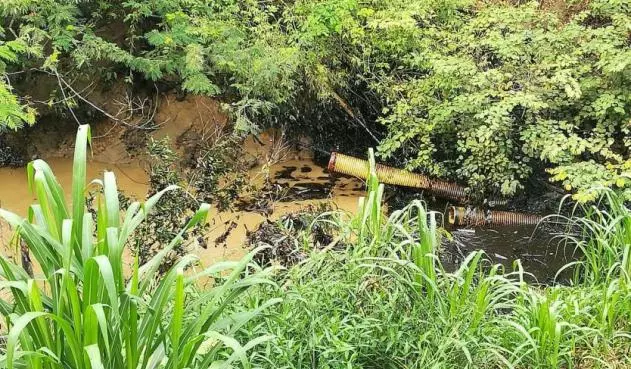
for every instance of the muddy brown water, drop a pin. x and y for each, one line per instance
(305, 184)
(16, 197)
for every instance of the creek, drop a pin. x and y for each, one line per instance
(304, 183)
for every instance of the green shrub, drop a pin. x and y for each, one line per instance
(83, 311)
(13, 113)
(487, 94)
(604, 241)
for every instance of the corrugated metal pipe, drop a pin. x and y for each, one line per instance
(356, 167)
(459, 215)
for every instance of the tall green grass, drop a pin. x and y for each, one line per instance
(387, 302)
(83, 311)
(603, 240)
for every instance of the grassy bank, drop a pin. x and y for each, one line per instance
(383, 301)
(387, 302)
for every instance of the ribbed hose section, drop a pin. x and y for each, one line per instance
(448, 190)
(512, 218)
(356, 167)
(344, 164)
(474, 217)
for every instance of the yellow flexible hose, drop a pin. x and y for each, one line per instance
(360, 168)
(458, 215)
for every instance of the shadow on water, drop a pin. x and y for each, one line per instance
(541, 252)
(541, 249)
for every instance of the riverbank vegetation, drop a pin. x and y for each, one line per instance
(384, 300)
(91, 308)
(491, 94)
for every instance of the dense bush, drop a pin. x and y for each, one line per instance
(486, 94)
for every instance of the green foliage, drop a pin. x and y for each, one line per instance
(227, 47)
(590, 179)
(13, 114)
(604, 240)
(486, 94)
(84, 311)
(388, 302)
